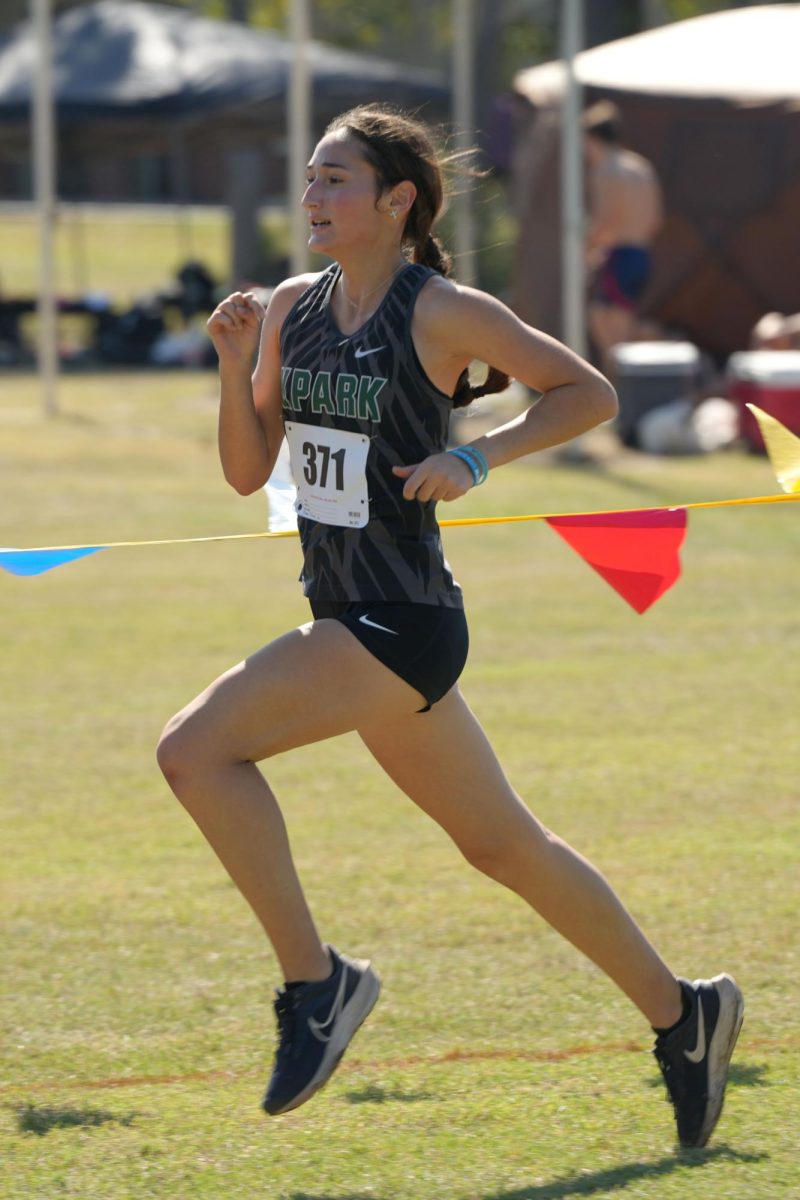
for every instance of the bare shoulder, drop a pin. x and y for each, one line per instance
(286, 295)
(447, 308)
(443, 301)
(436, 295)
(456, 325)
(281, 302)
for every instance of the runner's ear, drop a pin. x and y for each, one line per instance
(401, 198)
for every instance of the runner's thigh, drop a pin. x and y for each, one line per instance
(444, 762)
(313, 683)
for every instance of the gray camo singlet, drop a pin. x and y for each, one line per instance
(370, 382)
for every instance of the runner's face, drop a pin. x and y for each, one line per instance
(340, 197)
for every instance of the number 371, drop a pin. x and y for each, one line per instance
(317, 465)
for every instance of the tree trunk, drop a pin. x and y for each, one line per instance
(238, 10)
(245, 190)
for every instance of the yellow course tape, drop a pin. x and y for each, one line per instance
(284, 533)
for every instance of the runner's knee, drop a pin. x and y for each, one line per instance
(183, 749)
(508, 856)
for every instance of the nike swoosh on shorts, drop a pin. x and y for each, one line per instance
(364, 620)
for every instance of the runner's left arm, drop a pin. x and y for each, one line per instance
(466, 324)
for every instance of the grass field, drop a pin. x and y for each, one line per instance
(125, 251)
(128, 251)
(498, 1065)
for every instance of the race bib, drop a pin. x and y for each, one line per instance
(330, 470)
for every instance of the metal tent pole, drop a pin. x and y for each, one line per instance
(299, 131)
(463, 66)
(572, 206)
(45, 200)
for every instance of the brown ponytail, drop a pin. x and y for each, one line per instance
(495, 381)
(433, 254)
(399, 147)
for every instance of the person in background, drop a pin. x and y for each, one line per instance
(625, 213)
(776, 331)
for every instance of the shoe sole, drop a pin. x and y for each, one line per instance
(352, 1017)
(723, 1041)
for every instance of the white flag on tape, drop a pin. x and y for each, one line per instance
(281, 493)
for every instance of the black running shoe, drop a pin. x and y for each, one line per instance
(694, 1057)
(316, 1022)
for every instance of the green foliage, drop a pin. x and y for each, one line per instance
(497, 238)
(498, 1064)
(414, 31)
(525, 43)
(681, 10)
(269, 14)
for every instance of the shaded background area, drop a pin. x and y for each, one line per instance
(726, 146)
(159, 103)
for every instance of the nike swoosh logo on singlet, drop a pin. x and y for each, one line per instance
(369, 350)
(366, 621)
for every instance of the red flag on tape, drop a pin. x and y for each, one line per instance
(636, 552)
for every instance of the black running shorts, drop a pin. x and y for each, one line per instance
(422, 643)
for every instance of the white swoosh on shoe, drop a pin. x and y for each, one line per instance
(374, 625)
(322, 1030)
(698, 1054)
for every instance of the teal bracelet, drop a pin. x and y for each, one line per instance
(479, 457)
(471, 466)
(474, 459)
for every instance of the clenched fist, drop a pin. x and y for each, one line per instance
(234, 326)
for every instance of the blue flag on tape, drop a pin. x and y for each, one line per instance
(36, 562)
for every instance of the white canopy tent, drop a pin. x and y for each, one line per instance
(750, 53)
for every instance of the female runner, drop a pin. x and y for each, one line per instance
(360, 366)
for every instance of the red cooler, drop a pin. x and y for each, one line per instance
(770, 379)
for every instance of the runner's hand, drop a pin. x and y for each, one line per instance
(234, 326)
(440, 477)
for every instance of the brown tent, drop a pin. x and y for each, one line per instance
(714, 103)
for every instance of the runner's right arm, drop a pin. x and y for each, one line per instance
(250, 429)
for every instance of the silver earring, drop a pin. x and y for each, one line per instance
(393, 212)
